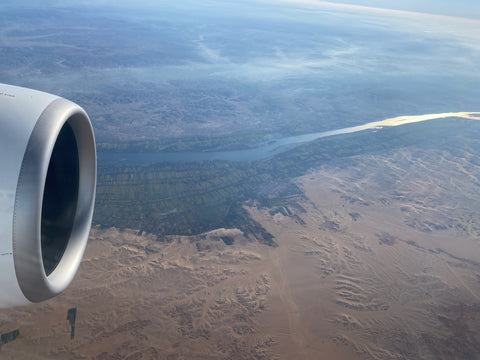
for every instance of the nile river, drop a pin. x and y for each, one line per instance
(273, 147)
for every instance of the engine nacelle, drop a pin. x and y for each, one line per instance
(47, 192)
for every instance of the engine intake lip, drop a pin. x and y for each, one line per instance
(37, 279)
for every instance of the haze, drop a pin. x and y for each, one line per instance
(357, 245)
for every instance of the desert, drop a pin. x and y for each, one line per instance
(377, 257)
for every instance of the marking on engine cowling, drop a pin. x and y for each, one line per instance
(6, 254)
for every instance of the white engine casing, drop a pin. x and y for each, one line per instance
(47, 193)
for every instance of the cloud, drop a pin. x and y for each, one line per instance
(210, 54)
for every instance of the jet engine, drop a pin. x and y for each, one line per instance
(47, 192)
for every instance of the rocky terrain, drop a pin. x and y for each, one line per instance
(379, 258)
(383, 258)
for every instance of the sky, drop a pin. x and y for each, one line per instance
(459, 8)
(462, 8)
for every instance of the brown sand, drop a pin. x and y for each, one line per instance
(380, 259)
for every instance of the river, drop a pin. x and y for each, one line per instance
(270, 149)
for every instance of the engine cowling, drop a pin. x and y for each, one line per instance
(47, 193)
